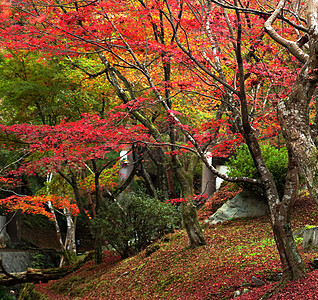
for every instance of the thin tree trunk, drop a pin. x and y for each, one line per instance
(189, 211)
(280, 209)
(70, 232)
(292, 263)
(191, 224)
(56, 225)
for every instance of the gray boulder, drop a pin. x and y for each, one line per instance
(15, 261)
(257, 281)
(245, 204)
(310, 241)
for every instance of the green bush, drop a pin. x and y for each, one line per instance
(5, 295)
(276, 161)
(130, 224)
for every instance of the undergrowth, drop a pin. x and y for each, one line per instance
(235, 251)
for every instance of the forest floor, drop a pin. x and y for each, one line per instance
(236, 250)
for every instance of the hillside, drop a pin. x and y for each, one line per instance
(236, 251)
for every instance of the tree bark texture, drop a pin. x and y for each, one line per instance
(293, 113)
(292, 263)
(189, 211)
(191, 224)
(294, 121)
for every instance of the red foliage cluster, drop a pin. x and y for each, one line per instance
(7, 181)
(176, 200)
(69, 145)
(36, 204)
(196, 198)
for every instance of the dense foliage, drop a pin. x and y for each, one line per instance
(276, 160)
(131, 223)
(5, 294)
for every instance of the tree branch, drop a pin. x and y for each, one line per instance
(261, 13)
(292, 47)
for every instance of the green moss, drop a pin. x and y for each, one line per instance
(166, 281)
(310, 226)
(65, 286)
(298, 240)
(28, 293)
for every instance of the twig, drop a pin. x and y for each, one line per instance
(8, 221)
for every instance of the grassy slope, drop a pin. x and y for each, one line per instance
(235, 251)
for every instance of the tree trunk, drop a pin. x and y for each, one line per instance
(96, 235)
(70, 233)
(69, 252)
(208, 186)
(191, 224)
(280, 210)
(294, 112)
(292, 263)
(56, 225)
(189, 211)
(294, 121)
(98, 250)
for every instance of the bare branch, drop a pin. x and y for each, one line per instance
(262, 13)
(203, 157)
(292, 47)
(16, 161)
(11, 191)
(171, 20)
(11, 218)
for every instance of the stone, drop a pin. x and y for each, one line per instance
(314, 263)
(257, 281)
(278, 277)
(239, 293)
(245, 204)
(15, 261)
(310, 240)
(299, 233)
(245, 291)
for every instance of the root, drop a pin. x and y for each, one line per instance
(274, 290)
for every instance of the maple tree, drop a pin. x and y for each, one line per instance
(157, 54)
(66, 150)
(44, 90)
(43, 203)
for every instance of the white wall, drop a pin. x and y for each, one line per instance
(223, 170)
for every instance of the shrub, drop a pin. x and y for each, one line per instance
(130, 224)
(5, 295)
(276, 161)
